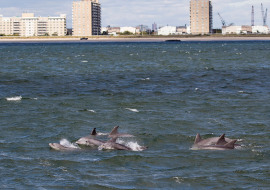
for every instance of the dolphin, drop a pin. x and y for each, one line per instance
(90, 140)
(112, 145)
(114, 133)
(60, 147)
(214, 143)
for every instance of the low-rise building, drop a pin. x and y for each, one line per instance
(231, 30)
(29, 25)
(181, 30)
(167, 30)
(130, 29)
(260, 30)
(245, 30)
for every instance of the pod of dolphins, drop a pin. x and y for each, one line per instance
(92, 141)
(214, 143)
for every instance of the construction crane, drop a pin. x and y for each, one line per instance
(264, 15)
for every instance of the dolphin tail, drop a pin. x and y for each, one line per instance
(221, 140)
(197, 139)
(94, 132)
(230, 144)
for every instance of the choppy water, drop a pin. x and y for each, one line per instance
(163, 93)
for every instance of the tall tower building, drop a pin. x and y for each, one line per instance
(201, 21)
(86, 18)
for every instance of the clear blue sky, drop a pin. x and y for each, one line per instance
(136, 12)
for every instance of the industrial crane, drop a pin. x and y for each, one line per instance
(264, 15)
(222, 20)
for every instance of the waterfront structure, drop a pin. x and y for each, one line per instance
(201, 21)
(86, 18)
(29, 25)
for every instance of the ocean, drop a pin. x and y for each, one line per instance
(162, 93)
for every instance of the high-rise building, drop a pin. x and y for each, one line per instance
(154, 27)
(86, 18)
(29, 25)
(201, 21)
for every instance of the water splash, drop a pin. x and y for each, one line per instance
(66, 143)
(131, 144)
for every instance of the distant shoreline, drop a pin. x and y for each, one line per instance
(134, 39)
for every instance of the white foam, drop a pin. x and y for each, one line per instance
(15, 98)
(84, 61)
(66, 143)
(133, 110)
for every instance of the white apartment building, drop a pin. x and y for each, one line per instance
(29, 25)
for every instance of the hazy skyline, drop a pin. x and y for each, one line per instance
(133, 13)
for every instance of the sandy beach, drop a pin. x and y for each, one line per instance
(133, 39)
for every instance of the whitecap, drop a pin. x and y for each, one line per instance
(66, 143)
(178, 180)
(133, 110)
(15, 98)
(84, 61)
(93, 111)
(146, 79)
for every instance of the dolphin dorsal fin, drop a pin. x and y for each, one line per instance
(230, 144)
(221, 140)
(198, 138)
(114, 131)
(94, 132)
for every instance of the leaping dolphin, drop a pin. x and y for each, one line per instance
(214, 143)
